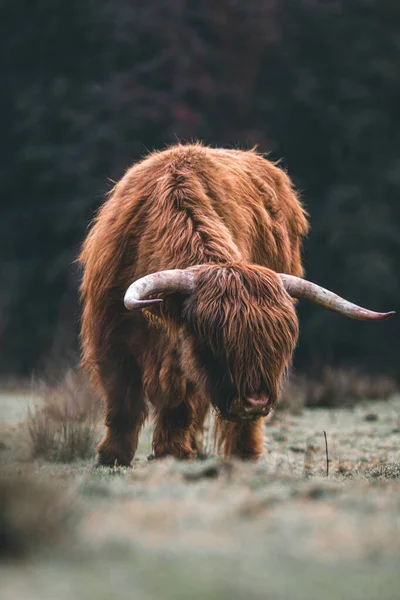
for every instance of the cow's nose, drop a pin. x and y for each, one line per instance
(251, 408)
(255, 407)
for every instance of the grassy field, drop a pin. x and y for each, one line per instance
(280, 529)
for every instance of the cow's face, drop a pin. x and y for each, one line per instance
(235, 328)
(239, 333)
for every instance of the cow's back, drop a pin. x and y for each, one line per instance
(195, 204)
(189, 205)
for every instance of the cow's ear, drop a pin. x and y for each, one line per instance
(152, 289)
(167, 313)
(161, 296)
(174, 307)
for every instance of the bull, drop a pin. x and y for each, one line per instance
(191, 271)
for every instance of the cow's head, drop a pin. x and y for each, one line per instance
(237, 328)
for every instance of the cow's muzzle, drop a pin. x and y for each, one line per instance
(249, 409)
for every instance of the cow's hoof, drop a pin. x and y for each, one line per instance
(99, 465)
(202, 456)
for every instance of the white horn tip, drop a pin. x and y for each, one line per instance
(134, 304)
(384, 316)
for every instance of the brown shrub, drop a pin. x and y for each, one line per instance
(34, 514)
(66, 426)
(335, 387)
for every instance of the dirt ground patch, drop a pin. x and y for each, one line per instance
(278, 529)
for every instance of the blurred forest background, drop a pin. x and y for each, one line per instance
(90, 86)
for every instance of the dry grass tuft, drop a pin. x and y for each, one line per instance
(66, 426)
(33, 515)
(335, 388)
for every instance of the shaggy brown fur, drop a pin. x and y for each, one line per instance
(233, 217)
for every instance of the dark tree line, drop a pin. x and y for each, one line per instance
(89, 86)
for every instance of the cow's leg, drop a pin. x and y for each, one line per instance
(202, 408)
(179, 427)
(242, 440)
(173, 431)
(125, 412)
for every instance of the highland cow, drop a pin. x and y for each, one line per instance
(190, 273)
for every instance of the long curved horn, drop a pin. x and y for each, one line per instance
(162, 282)
(301, 288)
